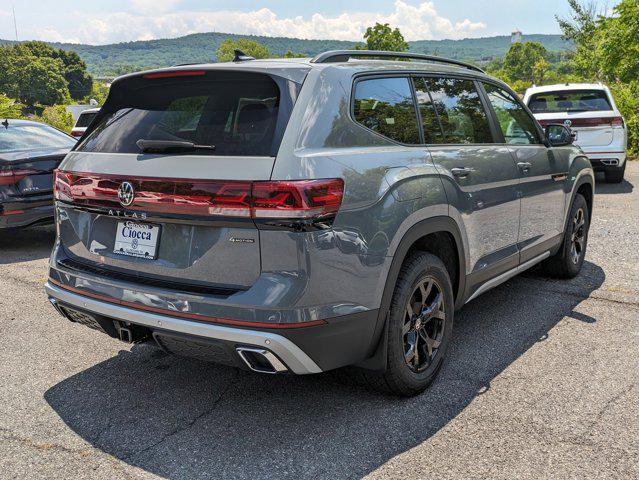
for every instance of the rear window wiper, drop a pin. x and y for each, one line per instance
(170, 146)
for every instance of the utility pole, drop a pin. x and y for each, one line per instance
(15, 24)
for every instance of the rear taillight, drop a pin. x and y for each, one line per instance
(294, 199)
(76, 133)
(11, 177)
(302, 199)
(617, 121)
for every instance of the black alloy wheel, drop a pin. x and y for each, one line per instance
(424, 323)
(578, 236)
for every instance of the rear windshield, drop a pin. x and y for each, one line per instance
(85, 119)
(237, 113)
(32, 137)
(569, 101)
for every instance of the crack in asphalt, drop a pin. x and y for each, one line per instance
(189, 424)
(610, 403)
(9, 435)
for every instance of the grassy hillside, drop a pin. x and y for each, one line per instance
(115, 59)
(477, 49)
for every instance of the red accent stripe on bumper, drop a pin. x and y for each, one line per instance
(601, 153)
(189, 316)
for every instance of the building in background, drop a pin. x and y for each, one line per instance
(515, 37)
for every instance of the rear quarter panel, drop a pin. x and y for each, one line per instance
(388, 188)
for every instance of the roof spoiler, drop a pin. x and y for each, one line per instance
(335, 56)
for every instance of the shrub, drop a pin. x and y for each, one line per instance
(627, 99)
(56, 116)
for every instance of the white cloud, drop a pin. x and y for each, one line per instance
(49, 34)
(420, 22)
(146, 7)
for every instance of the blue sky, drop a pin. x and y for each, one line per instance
(99, 22)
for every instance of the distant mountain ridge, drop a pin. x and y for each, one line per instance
(118, 58)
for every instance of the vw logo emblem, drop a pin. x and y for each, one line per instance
(126, 194)
(568, 123)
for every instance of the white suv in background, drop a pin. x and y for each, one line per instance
(590, 111)
(83, 121)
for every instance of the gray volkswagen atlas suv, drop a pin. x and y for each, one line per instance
(308, 214)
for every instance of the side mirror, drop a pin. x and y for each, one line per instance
(558, 135)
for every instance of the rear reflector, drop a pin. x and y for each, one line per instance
(295, 200)
(177, 73)
(11, 177)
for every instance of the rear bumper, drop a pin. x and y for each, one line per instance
(16, 215)
(338, 342)
(602, 160)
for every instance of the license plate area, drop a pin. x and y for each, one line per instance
(138, 240)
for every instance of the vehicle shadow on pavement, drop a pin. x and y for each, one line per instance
(602, 186)
(179, 418)
(24, 245)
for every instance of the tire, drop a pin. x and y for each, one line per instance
(567, 262)
(422, 282)
(615, 175)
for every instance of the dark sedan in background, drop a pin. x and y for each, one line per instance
(29, 152)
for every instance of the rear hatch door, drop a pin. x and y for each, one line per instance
(588, 112)
(173, 211)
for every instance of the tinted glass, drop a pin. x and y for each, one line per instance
(238, 116)
(32, 137)
(459, 110)
(430, 123)
(85, 119)
(569, 101)
(516, 125)
(385, 105)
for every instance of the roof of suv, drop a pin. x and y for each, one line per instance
(293, 67)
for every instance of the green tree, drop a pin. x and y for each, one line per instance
(75, 73)
(41, 81)
(526, 62)
(9, 108)
(617, 40)
(226, 52)
(99, 93)
(607, 49)
(383, 37)
(79, 82)
(16, 75)
(581, 27)
(292, 54)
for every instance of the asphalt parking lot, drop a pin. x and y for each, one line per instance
(541, 382)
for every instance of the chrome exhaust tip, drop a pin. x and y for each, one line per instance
(261, 360)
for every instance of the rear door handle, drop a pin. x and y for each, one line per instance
(524, 166)
(462, 171)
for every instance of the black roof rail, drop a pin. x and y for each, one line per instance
(335, 56)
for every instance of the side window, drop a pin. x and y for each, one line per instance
(456, 105)
(516, 125)
(430, 123)
(385, 105)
